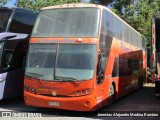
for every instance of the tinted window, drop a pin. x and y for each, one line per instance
(115, 71)
(4, 18)
(114, 27)
(77, 22)
(14, 58)
(107, 23)
(124, 67)
(22, 22)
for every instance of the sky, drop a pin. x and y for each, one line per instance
(86, 0)
(10, 3)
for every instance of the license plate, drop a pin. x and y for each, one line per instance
(53, 103)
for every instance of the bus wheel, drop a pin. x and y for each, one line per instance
(111, 97)
(140, 82)
(158, 97)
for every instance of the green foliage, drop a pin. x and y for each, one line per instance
(149, 75)
(2, 2)
(36, 5)
(117, 5)
(139, 16)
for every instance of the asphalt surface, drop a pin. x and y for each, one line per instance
(139, 105)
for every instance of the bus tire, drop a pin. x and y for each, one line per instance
(140, 82)
(158, 97)
(111, 97)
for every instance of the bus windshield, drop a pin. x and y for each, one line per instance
(79, 22)
(61, 62)
(4, 18)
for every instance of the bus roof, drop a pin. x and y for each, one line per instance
(82, 5)
(73, 5)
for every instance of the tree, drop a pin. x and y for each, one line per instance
(118, 6)
(36, 5)
(139, 16)
(137, 13)
(2, 2)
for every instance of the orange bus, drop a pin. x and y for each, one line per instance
(82, 57)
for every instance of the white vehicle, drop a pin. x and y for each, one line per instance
(15, 28)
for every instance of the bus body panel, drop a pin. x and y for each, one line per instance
(60, 88)
(64, 40)
(61, 102)
(126, 80)
(12, 89)
(124, 84)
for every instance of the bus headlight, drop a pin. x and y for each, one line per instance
(29, 89)
(89, 90)
(82, 92)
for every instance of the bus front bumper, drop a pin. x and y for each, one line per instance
(82, 103)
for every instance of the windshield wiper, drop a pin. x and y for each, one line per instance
(39, 76)
(66, 78)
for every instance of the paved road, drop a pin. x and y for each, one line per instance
(136, 103)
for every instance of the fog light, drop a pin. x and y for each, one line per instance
(87, 103)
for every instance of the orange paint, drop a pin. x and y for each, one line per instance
(88, 95)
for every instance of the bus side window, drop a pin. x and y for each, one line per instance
(12, 60)
(105, 46)
(100, 70)
(115, 71)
